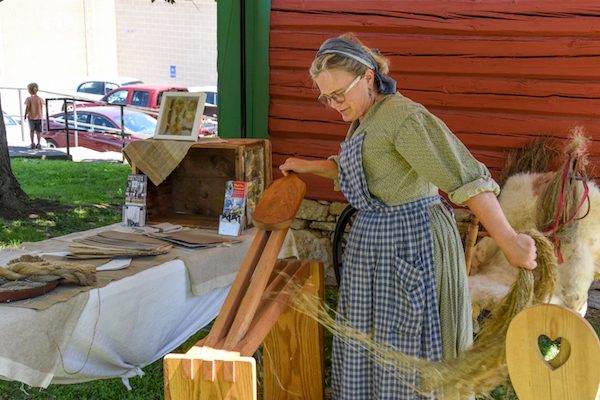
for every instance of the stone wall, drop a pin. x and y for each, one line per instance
(313, 231)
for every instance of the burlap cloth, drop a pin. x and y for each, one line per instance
(34, 361)
(158, 158)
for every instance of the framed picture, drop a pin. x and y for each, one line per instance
(179, 116)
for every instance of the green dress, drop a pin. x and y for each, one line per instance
(408, 154)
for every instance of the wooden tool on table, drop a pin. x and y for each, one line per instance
(220, 366)
(572, 375)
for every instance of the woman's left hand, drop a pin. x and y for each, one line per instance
(521, 251)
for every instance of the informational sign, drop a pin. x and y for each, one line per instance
(172, 71)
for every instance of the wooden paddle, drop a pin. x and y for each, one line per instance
(279, 204)
(572, 375)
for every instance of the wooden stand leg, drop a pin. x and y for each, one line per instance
(293, 358)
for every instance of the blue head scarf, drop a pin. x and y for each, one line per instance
(350, 49)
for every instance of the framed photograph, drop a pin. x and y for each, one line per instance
(179, 116)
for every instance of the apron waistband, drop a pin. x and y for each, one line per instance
(406, 208)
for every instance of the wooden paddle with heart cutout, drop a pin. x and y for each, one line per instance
(572, 375)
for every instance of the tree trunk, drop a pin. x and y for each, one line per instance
(13, 200)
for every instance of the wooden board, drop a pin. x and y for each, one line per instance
(293, 353)
(236, 293)
(293, 365)
(287, 278)
(498, 73)
(251, 300)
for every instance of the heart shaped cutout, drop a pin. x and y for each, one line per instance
(554, 352)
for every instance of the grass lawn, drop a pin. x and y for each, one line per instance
(90, 195)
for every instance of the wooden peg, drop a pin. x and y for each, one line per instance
(188, 368)
(209, 370)
(229, 371)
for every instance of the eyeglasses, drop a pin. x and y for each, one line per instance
(339, 97)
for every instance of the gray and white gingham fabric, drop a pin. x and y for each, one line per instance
(388, 289)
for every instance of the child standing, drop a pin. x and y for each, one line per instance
(34, 106)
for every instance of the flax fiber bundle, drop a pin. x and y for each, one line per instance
(478, 370)
(37, 269)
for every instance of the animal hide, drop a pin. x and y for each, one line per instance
(580, 246)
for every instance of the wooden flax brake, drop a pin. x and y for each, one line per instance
(258, 296)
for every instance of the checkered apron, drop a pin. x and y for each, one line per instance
(387, 289)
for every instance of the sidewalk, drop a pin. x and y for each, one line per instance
(17, 148)
(21, 150)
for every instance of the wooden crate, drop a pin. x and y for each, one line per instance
(193, 194)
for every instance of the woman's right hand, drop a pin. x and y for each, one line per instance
(297, 165)
(324, 168)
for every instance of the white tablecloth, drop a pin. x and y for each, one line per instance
(133, 322)
(121, 328)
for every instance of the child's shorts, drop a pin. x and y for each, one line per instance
(35, 125)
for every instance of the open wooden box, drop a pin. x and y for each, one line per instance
(193, 194)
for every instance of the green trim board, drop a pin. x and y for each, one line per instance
(257, 25)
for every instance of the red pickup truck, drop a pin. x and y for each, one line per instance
(140, 95)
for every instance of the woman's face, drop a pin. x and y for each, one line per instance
(355, 102)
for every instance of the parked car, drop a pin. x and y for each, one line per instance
(208, 127)
(101, 86)
(210, 105)
(91, 89)
(14, 136)
(148, 96)
(99, 128)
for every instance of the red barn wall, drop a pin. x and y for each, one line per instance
(499, 73)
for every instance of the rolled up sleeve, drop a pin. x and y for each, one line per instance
(471, 189)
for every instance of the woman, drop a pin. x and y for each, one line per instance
(404, 279)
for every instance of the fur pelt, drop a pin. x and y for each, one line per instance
(580, 246)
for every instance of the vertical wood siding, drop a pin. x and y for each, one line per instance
(498, 73)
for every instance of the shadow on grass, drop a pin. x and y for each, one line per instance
(55, 220)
